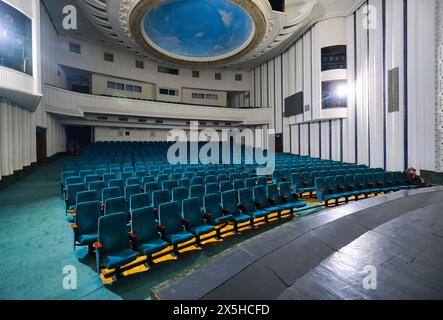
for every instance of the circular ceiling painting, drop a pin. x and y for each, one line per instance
(198, 29)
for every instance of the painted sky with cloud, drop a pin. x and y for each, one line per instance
(198, 28)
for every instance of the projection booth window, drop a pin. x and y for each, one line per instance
(334, 94)
(15, 39)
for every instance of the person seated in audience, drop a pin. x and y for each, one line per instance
(413, 178)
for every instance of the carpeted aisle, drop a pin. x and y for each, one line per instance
(36, 245)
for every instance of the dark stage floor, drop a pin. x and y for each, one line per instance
(388, 247)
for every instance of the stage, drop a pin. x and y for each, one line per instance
(395, 239)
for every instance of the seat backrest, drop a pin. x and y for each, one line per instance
(380, 178)
(86, 196)
(147, 179)
(130, 190)
(66, 174)
(72, 191)
(262, 181)
(229, 201)
(210, 179)
(192, 211)
(246, 199)
(272, 193)
(108, 193)
(150, 187)
(196, 180)
(340, 182)
(161, 178)
(225, 186)
(260, 196)
(179, 194)
(212, 188)
(250, 182)
(117, 183)
(350, 181)
(169, 185)
(212, 205)
(132, 181)
(197, 191)
(139, 200)
(370, 178)
(72, 180)
(116, 205)
(389, 178)
(144, 225)
(159, 197)
(222, 177)
(331, 187)
(183, 182)
(360, 180)
(239, 184)
(170, 217)
(113, 233)
(285, 189)
(86, 217)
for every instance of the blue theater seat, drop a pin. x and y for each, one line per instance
(85, 225)
(145, 233)
(116, 205)
(197, 191)
(212, 188)
(113, 246)
(290, 197)
(109, 193)
(138, 201)
(247, 204)
(171, 225)
(262, 201)
(225, 186)
(214, 211)
(86, 196)
(195, 223)
(131, 190)
(230, 206)
(179, 194)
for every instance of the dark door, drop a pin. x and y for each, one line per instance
(278, 143)
(78, 138)
(41, 146)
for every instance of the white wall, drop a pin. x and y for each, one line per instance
(117, 134)
(365, 133)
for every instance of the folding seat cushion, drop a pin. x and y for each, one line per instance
(138, 201)
(262, 181)
(213, 210)
(210, 179)
(196, 180)
(86, 196)
(230, 206)
(71, 195)
(117, 183)
(211, 188)
(179, 194)
(225, 186)
(250, 182)
(171, 224)
(131, 190)
(109, 193)
(159, 197)
(239, 184)
(133, 181)
(194, 218)
(247, 204)
(113, 247)
(85, 225)
(169, 185)
(290, 197)
(197, 191)
(144, 228)
(116, 205)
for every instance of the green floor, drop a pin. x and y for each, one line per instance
(36, 245)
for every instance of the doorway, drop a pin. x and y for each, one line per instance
(41, 146)
(279, 143)
(78, 138)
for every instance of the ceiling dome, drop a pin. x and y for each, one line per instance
(198, 29)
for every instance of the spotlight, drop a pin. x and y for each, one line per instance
(342, 91)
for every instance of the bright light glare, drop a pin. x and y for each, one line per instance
(342, 91)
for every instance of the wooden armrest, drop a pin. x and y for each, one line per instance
(161, 227)
(133, 235)
(186, 221)
(208, 215)
(97, 245)
(74, 226)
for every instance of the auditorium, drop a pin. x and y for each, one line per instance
(227, 150)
